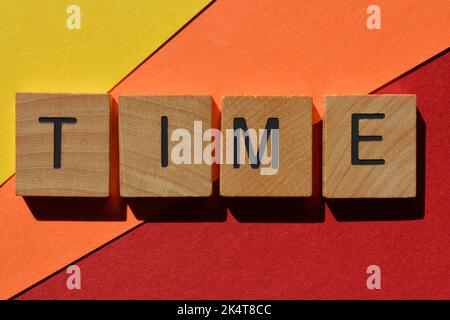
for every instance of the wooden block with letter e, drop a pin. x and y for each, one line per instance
(62, 144)
(268, 146)
(161, 146)
(369, 146)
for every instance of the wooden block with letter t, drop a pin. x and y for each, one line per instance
(369, 146)
(161, 146)
(62, 144)
(268, 146)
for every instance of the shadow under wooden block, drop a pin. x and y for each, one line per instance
(388, 209)
(286, 209)
(62, 144)
(77, 209)
(179, 209)
(153, 163)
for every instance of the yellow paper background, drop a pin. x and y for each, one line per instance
(39, 53)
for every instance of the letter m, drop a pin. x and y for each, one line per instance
(240, 128)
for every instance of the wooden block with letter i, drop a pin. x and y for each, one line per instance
(161, 142)
(62, 144)
(369, 146)
(268, 146)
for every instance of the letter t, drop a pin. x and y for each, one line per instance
(57, 132)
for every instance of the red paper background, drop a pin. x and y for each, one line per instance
(283, 250)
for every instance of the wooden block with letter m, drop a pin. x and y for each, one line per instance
(268, 146)
(62, 144)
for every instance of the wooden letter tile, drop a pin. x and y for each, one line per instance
(369, 146)
(293, 175)
(147, 140)
(62, 144)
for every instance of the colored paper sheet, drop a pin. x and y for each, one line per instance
(293, 48)
(288, 260)
(43, 51)
(273, 47)
(39, 53)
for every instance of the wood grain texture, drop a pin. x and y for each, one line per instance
(396, 178)
(294, 177)
(141, 172)
(85, 145)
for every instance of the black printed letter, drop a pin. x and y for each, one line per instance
(57, 132)
(356, 138)
(241, 124)
(164, 142)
